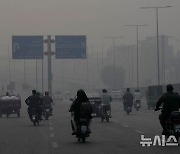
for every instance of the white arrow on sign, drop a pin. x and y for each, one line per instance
(16, 47)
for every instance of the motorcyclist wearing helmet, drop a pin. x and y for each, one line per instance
(106, 100)
(81, 97)
(170, 101)
(34, 101)
(47, 101)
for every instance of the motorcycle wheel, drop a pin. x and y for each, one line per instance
(34, 123)
(46, 117)
(107, 119)
(83, 139)
(18, 114)
(102, 119)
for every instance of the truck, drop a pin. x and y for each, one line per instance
(10, 105)
(153, 94)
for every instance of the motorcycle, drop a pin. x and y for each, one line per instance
(35, 116)
(105, 113)
(128, 109)
(47, 112)
(173, 125)
(82, 130)
(137, 104)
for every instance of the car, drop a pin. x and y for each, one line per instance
(95, 100)
(57, 96)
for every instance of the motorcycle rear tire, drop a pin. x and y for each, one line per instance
(46, 117)
(83, 139)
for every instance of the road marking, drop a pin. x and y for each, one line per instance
(54, 144)
(51, 128)
(51, 135)
(138, 131)
(125, 125)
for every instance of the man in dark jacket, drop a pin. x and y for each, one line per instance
(170, 101)
(127, 99)
(34, 101)
(76, 107)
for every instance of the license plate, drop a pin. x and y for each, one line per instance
(83, 129)
(177, 128)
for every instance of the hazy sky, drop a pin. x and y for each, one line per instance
(94, 18)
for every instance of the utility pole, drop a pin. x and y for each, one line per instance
(137, 34)
(157, 24)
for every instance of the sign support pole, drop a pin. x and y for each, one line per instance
(49, 53)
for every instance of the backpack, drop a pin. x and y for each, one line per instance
(85, 110)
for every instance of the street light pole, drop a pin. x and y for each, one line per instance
(157, 24)
(137, 34)
(114, 59)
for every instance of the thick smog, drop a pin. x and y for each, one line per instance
(89, 77)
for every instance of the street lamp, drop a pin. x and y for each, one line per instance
(137, 32)
(114, 59)
(156, 8)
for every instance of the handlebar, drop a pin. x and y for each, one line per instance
(157, 109)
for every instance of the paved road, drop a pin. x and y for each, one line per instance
(121, 135)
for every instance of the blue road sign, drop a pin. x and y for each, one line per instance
(27, 47)
(70, 47)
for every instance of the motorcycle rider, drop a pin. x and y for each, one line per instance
(106, 100)
(137, 97)
(34, 101)
(76, 107)
(170, 101)
(47, 101)
(127, 99)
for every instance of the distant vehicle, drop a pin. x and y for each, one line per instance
(153, 94)
(10, 105)
(67, 95)
(57, 96)
(95, 100)
(116, 94)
